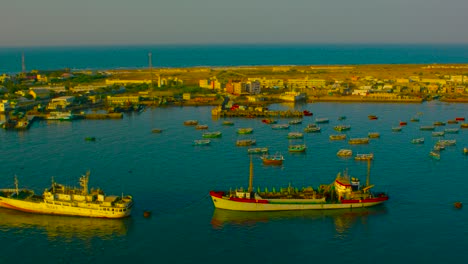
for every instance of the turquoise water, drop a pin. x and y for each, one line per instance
(114, 57)
(170, 177)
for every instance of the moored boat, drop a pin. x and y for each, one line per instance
(322, 120)
(257, 150)
(460, 118)
(295, 122)
(307, 113)
(438, 134)
(373, 135)
(344, 153)
(63, 200)
(297, 148)
(364, 156)
(312, 129)
(452, 122)
(201, 142)
(341, 118)
(396, 129)
(215, 134)
(342, 127)
(245, 142)
(417, 140)
(90, 138)
(344, 192)
(429, 128)
(447, 142)
(451, 130)
(191, 122)
(372, 117)
(247, 130)
(156, 130)
(228, 123)
(464, 125)
(269, 121)
(295, 135)
(274, 159)
(414, 119)
(465, 150)
(439, 123)
(402, 123)
(61, 116)
(201, 127)
(354, 141)
(434, 154)
(338, 137)
(280, 126)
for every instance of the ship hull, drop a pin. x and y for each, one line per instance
(238, 204)
(64, 208)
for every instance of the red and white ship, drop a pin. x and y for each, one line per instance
(344, 192)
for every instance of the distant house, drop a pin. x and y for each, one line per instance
(39, 93)
(61, 102)
(5, 106)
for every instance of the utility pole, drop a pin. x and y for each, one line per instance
(150, 68)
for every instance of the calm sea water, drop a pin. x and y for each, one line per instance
(170, 177)
(51, 58)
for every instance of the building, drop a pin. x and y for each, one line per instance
(124, 82)
(305, 83)
(61, 102)
(39, 93)
(122, 100)
(5, 106)
(252, 87)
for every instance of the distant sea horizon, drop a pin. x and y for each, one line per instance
(106, 57)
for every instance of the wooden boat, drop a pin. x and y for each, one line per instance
(373, 135)
(438, 134)
(312, 129)
(269, 121)
(215, 134)
(439, 123)
(307, 113)
(447, 142)
(247, 130)
(452, 122)
(280, 126)
(201, 127)
(342, 127)
(368, 156)
(322, 120)
(338, 137)
(228, 123)
(460, 118)
(396, 129)
(344, 153)
(464, 125)
(372, 117)
(257, 150)
(402, 123)
(297, 148)
(345, 192)
(191, 122)
(294, 135)
(245, 142)
(341, 118)
(417, 140)
(201, 142)
(465, 150)
(434, 154)
(90, 138)
(355, 141)
(156, 130)
(451, 130)
(276, 159)
(295, 122)
(438, 147)
(429, 128)
(414, 119)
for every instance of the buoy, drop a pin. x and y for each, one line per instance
(146, 214)
(458, 205)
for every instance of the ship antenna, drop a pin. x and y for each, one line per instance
(84, 182)
(16, 185)
(251, 175)
(368, 173)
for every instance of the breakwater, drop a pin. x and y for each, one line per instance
(257, 114)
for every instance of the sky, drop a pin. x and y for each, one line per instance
(148, 22)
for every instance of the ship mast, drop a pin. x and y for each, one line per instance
(250, 176)
(84, 183)
(16, 185)
(368, 173)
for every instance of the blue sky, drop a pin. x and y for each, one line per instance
(122, 22)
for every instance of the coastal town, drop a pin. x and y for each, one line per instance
(65, 94)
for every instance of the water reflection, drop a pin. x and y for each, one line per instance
(63, 226)
(343, 219)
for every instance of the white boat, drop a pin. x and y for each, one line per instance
(344, 153)
(62, 116)
(63, 200)
(367, 156)
(292, 96)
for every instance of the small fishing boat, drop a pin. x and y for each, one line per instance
(312, 129)
(201, 142)
(322, 120)
(447, 142)
(257, 150)
(396, 129)
(341, 118)
(344, 153)
(439, 123)
(307, 113)
(156, 130)
(414, 119)
(295, 122)
(215, 134)
(338, 137)
(247, 130)
(191, 122)
(451, 130)
(373, 135)
(297, 148)
(295, 135)
(245, 142)
(417, 140)
(357, 141)
(434, 154)
(465, 150)
(276, 159)
(438, 134)
(372, 117)
(464, 125)
(201, 127)
(402, 123)
(428, 128)
(342, 127)
(460, 118)
(452, 122)
(368, 156)
(439, 147)
(280, 126)
(90, 138)
(228, 123)
(269, 121)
